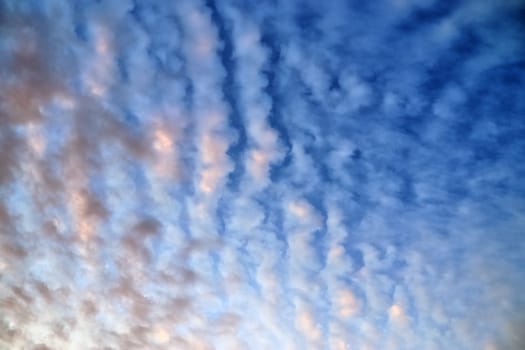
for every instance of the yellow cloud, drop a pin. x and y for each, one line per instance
(347, 303)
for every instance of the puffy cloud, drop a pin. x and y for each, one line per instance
(227, 175)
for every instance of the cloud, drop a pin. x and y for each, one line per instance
(300, 175)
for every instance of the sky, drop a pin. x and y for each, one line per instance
(262, 174)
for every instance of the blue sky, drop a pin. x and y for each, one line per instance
(236, 174)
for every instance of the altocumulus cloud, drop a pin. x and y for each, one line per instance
(262, 174)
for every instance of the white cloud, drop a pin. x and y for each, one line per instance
(351, 224)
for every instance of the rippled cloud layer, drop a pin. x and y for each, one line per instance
(262, 174)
